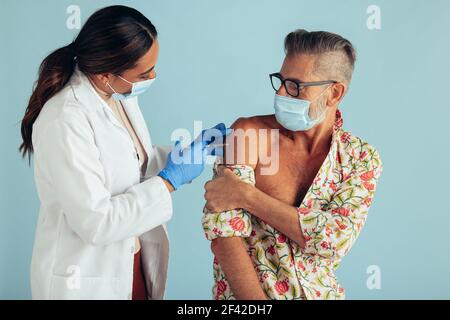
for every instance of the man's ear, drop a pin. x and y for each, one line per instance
(338, 91)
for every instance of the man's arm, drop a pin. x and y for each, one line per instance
(238, 268)
(231, 252)
(274, 212)
(329, 232)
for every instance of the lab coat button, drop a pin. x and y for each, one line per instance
(132, 249)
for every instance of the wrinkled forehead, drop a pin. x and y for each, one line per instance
(299, 66)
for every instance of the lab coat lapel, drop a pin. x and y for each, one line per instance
(86, 94)
(137, 121)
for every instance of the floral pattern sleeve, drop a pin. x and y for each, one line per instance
(231, 223)
(331, 231)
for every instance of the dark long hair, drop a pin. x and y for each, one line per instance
(112, 40)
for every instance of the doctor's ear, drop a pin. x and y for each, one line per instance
(104, 77)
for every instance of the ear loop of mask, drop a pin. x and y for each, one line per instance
(120, 78)
(320, 113)
(111, 87)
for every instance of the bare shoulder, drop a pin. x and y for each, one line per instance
(254, 122)
(242, 146)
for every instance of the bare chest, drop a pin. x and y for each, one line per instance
(292, 180)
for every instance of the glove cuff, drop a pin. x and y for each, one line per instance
(166, 176)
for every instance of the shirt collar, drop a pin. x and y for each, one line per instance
(335, 139)
(338, 122)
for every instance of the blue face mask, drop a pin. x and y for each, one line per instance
(293, 114)
(136, 89)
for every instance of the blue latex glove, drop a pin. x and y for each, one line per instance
(184, 165)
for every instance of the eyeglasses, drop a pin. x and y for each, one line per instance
(293, 86)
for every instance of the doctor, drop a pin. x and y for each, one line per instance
(104, 188)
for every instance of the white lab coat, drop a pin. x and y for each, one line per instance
(94, 201)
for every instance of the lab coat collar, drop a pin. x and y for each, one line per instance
(85, 92)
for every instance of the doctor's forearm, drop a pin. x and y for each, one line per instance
(238, 268)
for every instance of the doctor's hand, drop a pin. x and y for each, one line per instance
(185, 164)
(226, 191)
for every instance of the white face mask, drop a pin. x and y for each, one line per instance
(136, 88)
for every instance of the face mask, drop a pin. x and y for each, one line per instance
(293, 114)
(136, 89)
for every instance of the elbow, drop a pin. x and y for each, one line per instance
(300, 241)
(214, 244)
(96, 238)
(97, 243)
(95, 234)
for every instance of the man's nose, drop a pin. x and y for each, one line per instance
(282, 91)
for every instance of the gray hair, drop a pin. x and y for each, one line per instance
(335, 55)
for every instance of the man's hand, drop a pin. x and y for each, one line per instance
(226, 191)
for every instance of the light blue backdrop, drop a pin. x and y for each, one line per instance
(214, 63)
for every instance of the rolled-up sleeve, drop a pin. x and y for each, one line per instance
(331, 233)
(231, 223)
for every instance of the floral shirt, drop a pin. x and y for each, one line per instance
(331, 217)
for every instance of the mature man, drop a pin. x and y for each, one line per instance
(282, 235)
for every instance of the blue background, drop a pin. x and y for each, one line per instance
(215, 58)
